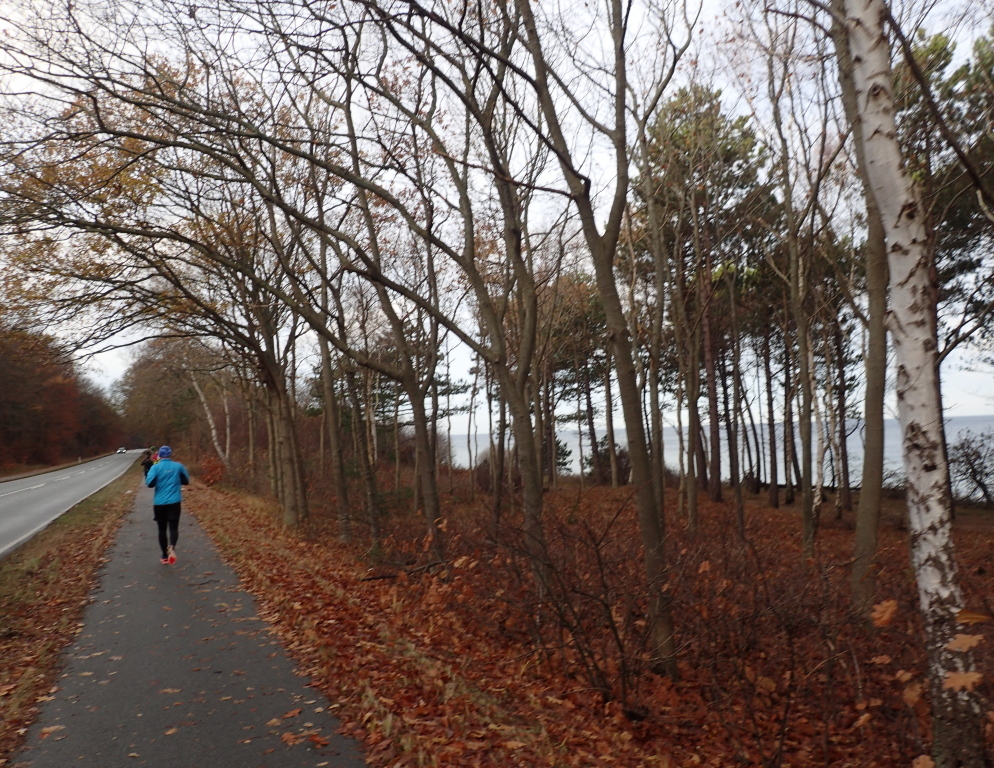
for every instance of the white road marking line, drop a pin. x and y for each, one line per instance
(11, 493)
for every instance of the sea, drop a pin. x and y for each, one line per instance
(893, 463)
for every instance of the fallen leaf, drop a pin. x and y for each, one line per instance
(912, 694)
(863, 720)
(881, 659)
(961, 681)
(292, 713)
(883, 613)
(51, 729)
(171, 731)
(923, 761)
(291, 738)
(971, 617)
(170, 690)
(320, 741)
(964, 643)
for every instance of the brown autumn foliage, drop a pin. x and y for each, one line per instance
(461, 663)
(48, 411)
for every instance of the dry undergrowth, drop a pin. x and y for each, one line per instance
(438, 667)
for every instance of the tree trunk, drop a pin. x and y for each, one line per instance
(291, 466)
(957, 713)
(595, 454)
(649, 508)
(366, 468)
(336, 454)
(863, 581)
(789, 454)
(808, 520)
(844, 489)
(215, 439)
(731, 429)
(731, 418)
(694, 465)
(530, 469)
(612, 451)
(427, 473)
(714, 419)
(773, 498)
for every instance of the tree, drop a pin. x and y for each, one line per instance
(957, 712)
(971, 459)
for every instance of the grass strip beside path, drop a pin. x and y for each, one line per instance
(44, 586)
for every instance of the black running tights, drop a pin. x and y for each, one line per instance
(173, 534)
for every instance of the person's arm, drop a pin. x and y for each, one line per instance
(184, 476)
(150, 477)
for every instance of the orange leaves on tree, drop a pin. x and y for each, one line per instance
(883, 613)
(964, 643)
(961, 681)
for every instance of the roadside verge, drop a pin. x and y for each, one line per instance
(44, 586)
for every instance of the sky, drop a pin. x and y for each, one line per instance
(968, 388)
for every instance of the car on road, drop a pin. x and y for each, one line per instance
(122, 450)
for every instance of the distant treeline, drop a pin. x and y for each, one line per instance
(49, 412)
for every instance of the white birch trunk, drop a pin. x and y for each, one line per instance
(957, 725)
(227, 421)
(221, 453)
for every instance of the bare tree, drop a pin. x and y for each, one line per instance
(957, 712)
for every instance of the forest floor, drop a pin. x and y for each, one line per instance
(448, 665)
(458, 663)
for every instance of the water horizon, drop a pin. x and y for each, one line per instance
(893, 461)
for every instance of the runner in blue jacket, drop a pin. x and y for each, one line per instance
(166, 476)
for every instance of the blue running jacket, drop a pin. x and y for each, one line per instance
(166, 477)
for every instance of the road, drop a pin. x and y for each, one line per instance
(31, 503)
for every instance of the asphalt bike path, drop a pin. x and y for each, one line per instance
(174, 668)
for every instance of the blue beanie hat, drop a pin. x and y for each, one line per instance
(165, 452)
